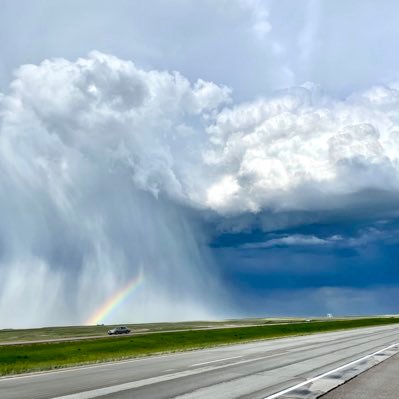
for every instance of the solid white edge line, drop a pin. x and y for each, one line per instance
(310, 380)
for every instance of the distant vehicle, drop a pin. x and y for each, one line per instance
(119, 330)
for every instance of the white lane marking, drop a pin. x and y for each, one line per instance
(310, 380)
(95, 393)
(216, 361)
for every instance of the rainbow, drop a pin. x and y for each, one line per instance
(111, 303)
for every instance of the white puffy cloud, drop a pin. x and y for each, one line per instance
(295, 239)
(280, 150)
(102, 108)
(362, 239)
(186, 141)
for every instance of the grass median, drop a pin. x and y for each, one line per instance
(46, 356)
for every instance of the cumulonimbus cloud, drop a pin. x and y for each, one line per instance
(94, 154)
(267, 151)
(185, 141)
(97, 156)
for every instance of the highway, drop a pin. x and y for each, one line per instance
(254, 370)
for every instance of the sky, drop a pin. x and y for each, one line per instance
(241, 157)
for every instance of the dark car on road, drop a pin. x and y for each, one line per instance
(119, 330)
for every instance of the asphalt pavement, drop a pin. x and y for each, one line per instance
(380, 382)
(255, 370)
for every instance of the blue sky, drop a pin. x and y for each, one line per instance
(244, 154)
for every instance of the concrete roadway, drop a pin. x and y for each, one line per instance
(254, 370)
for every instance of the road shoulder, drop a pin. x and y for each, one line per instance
(318, 386)
(380, 382)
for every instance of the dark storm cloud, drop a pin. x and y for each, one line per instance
(351, 261)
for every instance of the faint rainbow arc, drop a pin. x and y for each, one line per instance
(111, 303)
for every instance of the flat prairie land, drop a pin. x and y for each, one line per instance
(21, 358)
(63, 333)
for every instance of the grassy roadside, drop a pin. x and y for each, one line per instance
(46, 356)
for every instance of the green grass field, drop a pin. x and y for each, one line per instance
(45, 356)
